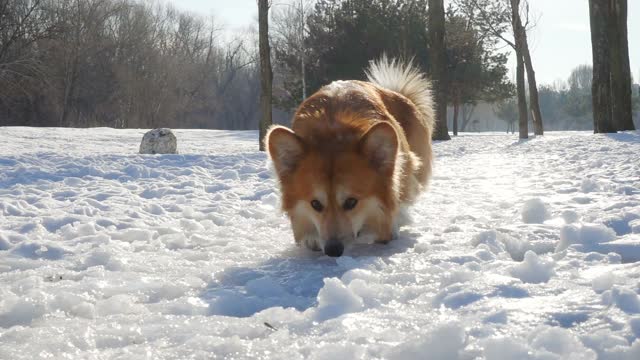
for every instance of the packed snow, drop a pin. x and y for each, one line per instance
(518, 250)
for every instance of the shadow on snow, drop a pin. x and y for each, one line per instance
(292, 278)
(54, 167)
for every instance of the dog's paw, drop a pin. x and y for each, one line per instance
(312, 244)
(384, 241)
(314, 247)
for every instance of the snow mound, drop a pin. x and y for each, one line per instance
(39, 250)
(534, 211)
(625, 299)
(603, 282)
(502, 348)
(533, 269)
(560, 343)
(23, 312)
(570, 216)
(588, 236)
(544, 343)
(443, 342)
(335, 299)
(499, 242)
(589, 185)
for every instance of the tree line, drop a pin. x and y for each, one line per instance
(122, 63)
(343, 35)
(459, 46)
(565, 105)
(125, 63)
(336, 39)
(128, 63)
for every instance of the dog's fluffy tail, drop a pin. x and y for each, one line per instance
(406, 79)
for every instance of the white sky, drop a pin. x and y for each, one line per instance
(560, 41)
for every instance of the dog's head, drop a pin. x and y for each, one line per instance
(332, 194)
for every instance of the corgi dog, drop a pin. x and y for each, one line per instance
(357, 151)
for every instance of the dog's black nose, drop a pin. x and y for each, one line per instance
(333, 248)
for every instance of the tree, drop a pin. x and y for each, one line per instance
(122, 63)
(521, 30)
(507, 111)
(342, 37)
(22, 25)
(621, 106)
(519, 46)
(635, 97)
(288, 36)
(476, 70)
(600, 14)
(581, 77)
(578, 101)
(266, 74)
(439, 74)
(494, 18)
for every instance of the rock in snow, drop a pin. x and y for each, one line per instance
(159, 141)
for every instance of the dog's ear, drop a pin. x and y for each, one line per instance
(380, 145)
(285, 149)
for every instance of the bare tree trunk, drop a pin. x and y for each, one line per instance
(69, 90)
(620, 69)
(438, 67)
(456, 112)
(599, 15)
(523, 120)
(523, 42)
(522, 98)
(266, 74)
(534, 103)
(302, 62)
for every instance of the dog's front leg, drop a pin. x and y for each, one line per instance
(311, 242)
(309, 239)
(385, 233)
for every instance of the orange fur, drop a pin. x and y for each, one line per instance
(353, 139)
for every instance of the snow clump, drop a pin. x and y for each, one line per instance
(534, 211)
(533, 269)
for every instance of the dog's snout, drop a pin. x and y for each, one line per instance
(334, 248)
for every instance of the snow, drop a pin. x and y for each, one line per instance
(624, 298)
(443, 342)
(335, 299)
(587, 236)
(533, 269)
(534, 211)
(561, 343)
(603, 282)
(519, 250)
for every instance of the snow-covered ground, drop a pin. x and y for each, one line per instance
(519, 250)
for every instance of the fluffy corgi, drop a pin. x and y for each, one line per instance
(356, 152)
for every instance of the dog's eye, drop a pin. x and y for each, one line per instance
(350, 203)
(316, 205)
